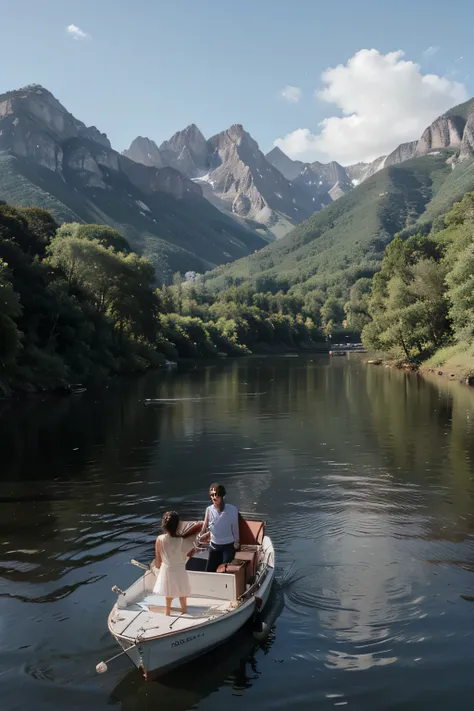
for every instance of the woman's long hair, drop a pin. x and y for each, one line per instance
(170, 523)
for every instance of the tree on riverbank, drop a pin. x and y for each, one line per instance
(10, 309)
(422, 299)
(91, 316)
(76, 303)
(241, 319)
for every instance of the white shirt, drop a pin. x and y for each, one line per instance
(223, 525)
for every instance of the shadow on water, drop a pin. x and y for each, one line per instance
(234, 664)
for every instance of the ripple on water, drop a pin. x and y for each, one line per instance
(347, 607)
(358, 490)
(358, 662)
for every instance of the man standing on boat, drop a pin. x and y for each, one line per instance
(222, 520)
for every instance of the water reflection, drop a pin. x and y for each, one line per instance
(234, 665)
(367, 479)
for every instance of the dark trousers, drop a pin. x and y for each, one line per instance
(219, 555)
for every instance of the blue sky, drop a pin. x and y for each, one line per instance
(151, 67)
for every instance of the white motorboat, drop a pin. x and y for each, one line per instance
(219, 605)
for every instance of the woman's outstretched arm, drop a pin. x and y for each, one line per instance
(192, 530)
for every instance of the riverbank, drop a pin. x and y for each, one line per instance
(13, 385)
(17, 388)
(454, 363)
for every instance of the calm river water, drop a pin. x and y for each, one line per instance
(366, 476)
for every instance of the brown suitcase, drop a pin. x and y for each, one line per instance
(237, 568)
(251, 557)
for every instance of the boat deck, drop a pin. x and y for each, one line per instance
(146, 618)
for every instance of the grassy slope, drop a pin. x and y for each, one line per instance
(349, 236)
(456, 360)
(458, 182)
(17, 189)
(188, 234)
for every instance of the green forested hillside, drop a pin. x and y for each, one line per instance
(422, 301)
(76, 303)
(458, 182)
(176, 235)
(347, 240)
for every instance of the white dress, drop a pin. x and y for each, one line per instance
(173, 580)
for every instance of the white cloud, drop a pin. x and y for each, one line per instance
(385, 100)
(431, 51)
(77, 33)
(291, 94)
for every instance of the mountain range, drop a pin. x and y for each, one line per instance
(192, 204)
(452, 130)
(234, 175)
(237, 178)
(402, 192)
(51, 159)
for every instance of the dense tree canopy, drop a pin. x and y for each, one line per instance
(76, 303)
(422, 298)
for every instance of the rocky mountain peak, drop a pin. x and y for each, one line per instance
(237, 131)
(34, 123)
(181, 138)
(277, 154)
(193, 130)
(187, 151)
(32, 90)
(144, 150)
(274, 189)
(319, 179)
(242, 176)
(287, 167)
(235, 134)
(467, 143)
(232, 172)
(452, 130)
(322, 179)
(35, 126)
(332, 172)
(356, 171)
(445, 132)
(403, 152)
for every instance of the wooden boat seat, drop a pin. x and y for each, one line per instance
(251, 537)
(251, 532)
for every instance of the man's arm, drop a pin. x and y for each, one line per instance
(205, 523)
(202, 534)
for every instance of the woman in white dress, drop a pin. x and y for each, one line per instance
(170, 558)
